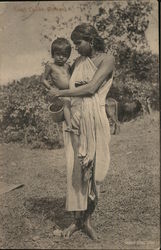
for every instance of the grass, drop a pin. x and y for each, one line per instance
(127, 216)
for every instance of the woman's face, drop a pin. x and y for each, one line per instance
(83, 47)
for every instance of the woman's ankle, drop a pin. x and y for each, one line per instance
(78, 218)
(89, 229)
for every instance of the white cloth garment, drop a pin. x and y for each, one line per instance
(88, 114)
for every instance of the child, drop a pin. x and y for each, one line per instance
(59, 74)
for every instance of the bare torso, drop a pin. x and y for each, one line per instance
(60, 76)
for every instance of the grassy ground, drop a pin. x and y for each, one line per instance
(127, 216)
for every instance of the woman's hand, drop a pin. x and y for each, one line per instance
(103, 72)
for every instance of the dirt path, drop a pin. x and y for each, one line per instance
(127, 216)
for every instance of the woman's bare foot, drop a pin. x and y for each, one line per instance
(70, 230)
(89, 230)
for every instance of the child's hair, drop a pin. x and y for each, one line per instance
(60, 44)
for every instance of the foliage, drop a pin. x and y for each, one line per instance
(123, 26)
(25, 116)
(24, 104)
(136, 90)
(124, 22)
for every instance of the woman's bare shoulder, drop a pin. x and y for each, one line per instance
(103, 58)
(107, 57)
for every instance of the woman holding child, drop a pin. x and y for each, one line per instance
(87, 151)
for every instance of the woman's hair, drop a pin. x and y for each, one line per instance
(88, 33)
(60, 44)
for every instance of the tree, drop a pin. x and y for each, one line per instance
(123, 28)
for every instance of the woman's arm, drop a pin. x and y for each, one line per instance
(104, 72)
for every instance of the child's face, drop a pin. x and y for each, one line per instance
(60, 57)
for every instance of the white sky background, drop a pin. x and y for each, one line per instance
(22, 49)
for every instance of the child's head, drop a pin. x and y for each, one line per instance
(60, 50)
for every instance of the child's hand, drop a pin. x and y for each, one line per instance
(46, 84)
(54, 92)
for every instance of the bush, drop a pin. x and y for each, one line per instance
(25, 117)
(24, 109)
(132, 89)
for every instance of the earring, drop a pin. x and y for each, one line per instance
(91, 43)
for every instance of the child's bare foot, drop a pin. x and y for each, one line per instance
(68, 129)
(75, 131)
(71, 130)
(70, 230)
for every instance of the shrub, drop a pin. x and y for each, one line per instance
(24, 106)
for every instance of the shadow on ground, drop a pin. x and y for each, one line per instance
(53, 209)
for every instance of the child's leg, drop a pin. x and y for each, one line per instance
(67, 115)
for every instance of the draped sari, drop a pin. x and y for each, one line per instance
(89, 116)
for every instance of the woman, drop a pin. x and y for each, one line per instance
(87, 154)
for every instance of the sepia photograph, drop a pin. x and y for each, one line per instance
(79, 125)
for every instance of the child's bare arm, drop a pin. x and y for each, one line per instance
(46, 83)
(46, 75)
